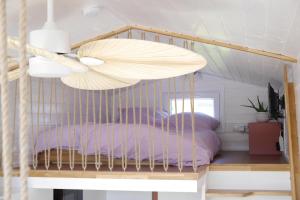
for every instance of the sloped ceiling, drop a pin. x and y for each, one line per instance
(272, 25)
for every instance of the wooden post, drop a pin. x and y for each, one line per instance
(290, 106)
(154, 195)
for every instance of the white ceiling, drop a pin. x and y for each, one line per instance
(272, 25)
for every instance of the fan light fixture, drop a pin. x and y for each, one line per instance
(52, 39)
(91, 61)
(45, 68)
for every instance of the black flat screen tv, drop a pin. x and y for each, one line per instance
(274, 103)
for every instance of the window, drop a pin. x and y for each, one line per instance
(201, 105)
(205, 102)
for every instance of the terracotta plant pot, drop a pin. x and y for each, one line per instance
(262, 116)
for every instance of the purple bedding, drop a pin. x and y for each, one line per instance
(207, 142)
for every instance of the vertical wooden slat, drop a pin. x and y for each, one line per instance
(38, 116)
(81, 128)
(71, 136)
(137, 142)
(150, 132)
(46, 139)
(107, 125)
(98, 138)
(34, 139)
(164, 143)
(192, 102)
(58, 133)
(180, 164)
(154, 125)
(176, 123)
(124, 141)
(87, 130)
(292, 133)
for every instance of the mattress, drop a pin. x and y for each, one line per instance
(103, 138)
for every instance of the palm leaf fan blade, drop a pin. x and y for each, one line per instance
(92, 80)
(139, 59)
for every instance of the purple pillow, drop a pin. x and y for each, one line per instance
(202, 121)
(158, 116)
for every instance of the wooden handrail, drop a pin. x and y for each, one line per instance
(191, 38)
(216, 43)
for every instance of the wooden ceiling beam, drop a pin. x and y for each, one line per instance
(216, 43)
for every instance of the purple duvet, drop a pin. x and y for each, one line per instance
(207, 142)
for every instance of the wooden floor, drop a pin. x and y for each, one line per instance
(243, 157)
(241, 160)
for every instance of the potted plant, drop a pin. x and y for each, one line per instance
(261, 110)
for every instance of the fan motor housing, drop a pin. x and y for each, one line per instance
(53, 40)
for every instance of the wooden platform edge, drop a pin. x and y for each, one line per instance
(202, 170)
(246, 193)
(249, 167)
(160, 175)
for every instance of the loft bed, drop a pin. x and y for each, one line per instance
(45, 96)
(53, 121)
(66, 127)
(98, 135)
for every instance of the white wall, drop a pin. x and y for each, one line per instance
(113, 195)
(147, 196)
(182, 196)
(94, 195)
(35, 194)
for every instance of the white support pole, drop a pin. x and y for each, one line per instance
(50, 11)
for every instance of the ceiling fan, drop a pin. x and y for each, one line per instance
(103, 64)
